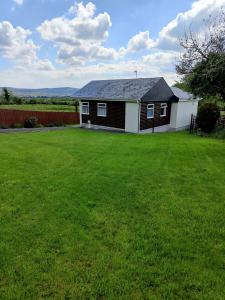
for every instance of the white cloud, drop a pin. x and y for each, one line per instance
(79, 76)
(78, 55)
(15, 45)
(19, 2)
(162, 59)
(193, 18)
(79, 39)
(140, 41)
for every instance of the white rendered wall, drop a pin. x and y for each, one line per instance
(132, 117)
(181, 113)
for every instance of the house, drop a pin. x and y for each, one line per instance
(135, 105)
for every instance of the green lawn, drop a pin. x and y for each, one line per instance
(40, 107)
(94, 215)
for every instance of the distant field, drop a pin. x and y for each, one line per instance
(97, 215)
(40, 107)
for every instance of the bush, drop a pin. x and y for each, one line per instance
(207, 117)
(17, 101)
(31, 122)
(2, 126)
(16, 125)
(219, 134)
(55, 124)
(32, 101)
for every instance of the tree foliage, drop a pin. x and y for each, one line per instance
(203, 59)
(6, 95)
(208, 77)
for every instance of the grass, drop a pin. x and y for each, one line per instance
(93, 215)
(40, 107)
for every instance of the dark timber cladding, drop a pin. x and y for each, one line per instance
(115, 114)
(158, 120)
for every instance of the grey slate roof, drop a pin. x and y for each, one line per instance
(182, 95)
(120, 89)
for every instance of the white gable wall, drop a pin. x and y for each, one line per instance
(181, 114)
(132, 117)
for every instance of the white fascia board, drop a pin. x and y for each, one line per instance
(108, 100)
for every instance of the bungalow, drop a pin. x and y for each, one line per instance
(135, 105)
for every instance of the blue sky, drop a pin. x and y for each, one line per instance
(49, 43)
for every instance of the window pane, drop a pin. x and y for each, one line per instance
(163, 110)
(102, 110)
(85, 109)
(150, 111)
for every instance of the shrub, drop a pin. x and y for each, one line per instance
(219, 134)
(2, 126)
(55, 124)
(17, 100)
(59, 124)
(32, 101)
(207, 117)
(16, 125)
(31, 122)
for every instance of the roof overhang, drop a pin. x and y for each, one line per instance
(191, 99)
(106, 100)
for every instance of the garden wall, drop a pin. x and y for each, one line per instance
(9, 117)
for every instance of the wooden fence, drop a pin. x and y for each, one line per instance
(9, 117)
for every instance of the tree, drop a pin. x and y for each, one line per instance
(208, 77)
(207, 117)
(202, 62)
(197, 47)
(6, 95)
(183, 85)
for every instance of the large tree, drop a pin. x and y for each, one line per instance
(198, 47)
(208, 77)
(202, 61)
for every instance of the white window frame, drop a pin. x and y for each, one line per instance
(152, 108)
(85, 105)
(105, 107)
(164, 106)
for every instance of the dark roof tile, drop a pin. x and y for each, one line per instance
(120, 89)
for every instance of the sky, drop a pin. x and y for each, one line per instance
(58, 43)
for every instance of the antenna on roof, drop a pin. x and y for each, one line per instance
(136, 73)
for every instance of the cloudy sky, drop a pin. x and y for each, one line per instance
(52, 43)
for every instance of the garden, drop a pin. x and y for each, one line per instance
(98, 215)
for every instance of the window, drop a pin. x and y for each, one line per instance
(85, 108)
(163, 110)
(102, 110)
(150, 111)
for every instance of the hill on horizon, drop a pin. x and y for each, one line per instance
(44, 92)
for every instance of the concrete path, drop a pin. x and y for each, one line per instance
(17, 130)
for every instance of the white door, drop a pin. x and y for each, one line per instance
(132, 117)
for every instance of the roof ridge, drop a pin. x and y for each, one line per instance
(120, 79)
